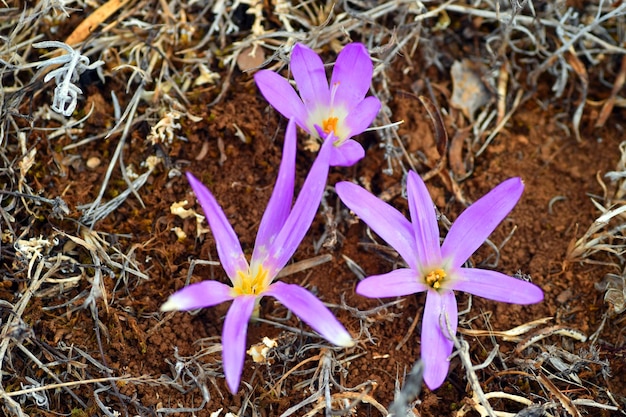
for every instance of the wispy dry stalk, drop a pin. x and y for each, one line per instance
(321, 384)
(604, 242)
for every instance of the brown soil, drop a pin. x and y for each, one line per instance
(177, 353)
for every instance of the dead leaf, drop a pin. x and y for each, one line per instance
(469, 92)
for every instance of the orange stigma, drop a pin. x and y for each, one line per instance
(330, 125)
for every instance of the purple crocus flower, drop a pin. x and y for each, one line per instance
(438, 269)
(281, 230)
(341, 109)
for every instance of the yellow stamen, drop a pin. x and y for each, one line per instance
(435, 278)
(250, 282)
(330, 125)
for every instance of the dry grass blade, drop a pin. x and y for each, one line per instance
(607, 108)
(48, 387)
(507, 335)
(593, 241)
(541, 334)
(562, 398)
(89, 25)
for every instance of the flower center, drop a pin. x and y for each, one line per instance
(435, 278)
(250, 282)
(330, 125)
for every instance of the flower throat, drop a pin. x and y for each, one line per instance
(435, 278)
(249, 283)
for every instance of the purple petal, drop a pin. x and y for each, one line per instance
(281, 95)
(352, 75)
(362, 116)
(320, 131)
(199, 295)
(479, 220)
(228, 246)
(382, 218)
(425, 224)
(279, 205)
(308, 71)
(346, 154)
(234, 339)
(396, 283)
(496, 286)
(303, 212)
(436, 346)
(311, 311)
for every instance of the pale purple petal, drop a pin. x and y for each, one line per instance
(281, 95)
(308, 71)
(311, 311)
(303, 212)
(496, 286)
(436, 345)
(228, 246)
(320, 131)
(478, 221)
(362, 116)
(424, 223)
(382, 218)
(352, 75)
(199, 295)
(279, 205)
(346, 154)
(396, 283)
(234, 339)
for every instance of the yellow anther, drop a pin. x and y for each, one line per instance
(435, 278)
(250, 282)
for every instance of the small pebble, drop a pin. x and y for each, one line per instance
(93, 162)
(564, 297)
